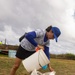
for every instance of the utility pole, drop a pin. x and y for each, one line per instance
(5, 41)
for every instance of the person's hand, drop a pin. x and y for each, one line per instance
(51, 69)
(40, 47)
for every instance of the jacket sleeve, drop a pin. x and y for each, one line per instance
(47, 52)
(30, 37)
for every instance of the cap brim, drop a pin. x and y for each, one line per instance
(55, 37)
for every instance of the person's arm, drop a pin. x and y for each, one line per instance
(50, 68)
(46, 51)
(48, 56)
(31, 36)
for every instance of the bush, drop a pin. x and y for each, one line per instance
(8, 47)
(70, 56)
(63, 56)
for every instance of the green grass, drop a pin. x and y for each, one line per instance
(62, 67)
(2, 55)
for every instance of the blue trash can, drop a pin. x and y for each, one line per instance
(12, 53)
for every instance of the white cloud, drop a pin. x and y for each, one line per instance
(9, 35)
(19, 16)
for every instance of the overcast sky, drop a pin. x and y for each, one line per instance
(20, 16)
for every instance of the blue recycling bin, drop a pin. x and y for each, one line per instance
(12, 53)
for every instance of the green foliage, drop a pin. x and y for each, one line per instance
(63, 56)
(70, 56)
(8, 47)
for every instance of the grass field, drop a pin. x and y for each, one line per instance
(62, 67)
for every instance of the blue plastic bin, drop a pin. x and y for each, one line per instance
(12, 53)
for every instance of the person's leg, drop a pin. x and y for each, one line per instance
(15, 66)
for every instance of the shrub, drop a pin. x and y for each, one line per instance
(70, 56)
